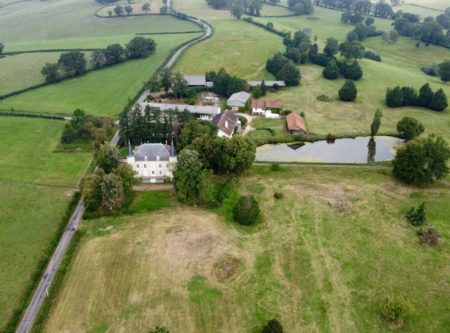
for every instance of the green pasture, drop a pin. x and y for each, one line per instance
(104, 92)
(35, 188)
(24, 70)
(62, 23)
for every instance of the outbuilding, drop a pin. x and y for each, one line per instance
(295, 123)
(238, 100)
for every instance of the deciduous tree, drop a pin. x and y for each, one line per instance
(421, 161)
(107, 157)
(112, 191)
(72, 62)
(409, 128)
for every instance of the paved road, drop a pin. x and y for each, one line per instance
(207, 33)
(33, 308)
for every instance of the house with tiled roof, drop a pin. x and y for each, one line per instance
(295, 123)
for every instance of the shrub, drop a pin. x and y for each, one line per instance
(348, 91)
(273, 326)
(159, 329)
(243, 121)
(395, 309)
(372, 56)
(278, 195)
(323, 98)
(429, 237)
(331, 137)
(409, 128)
(275, 167)
(416, 217)
(352, 71)
(331, 72)
(432, 69)
(246, 210)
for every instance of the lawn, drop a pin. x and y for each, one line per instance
(104, 92)
(35, 188)
(241, 48)
(321, 260)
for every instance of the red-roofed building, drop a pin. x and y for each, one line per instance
(295, 124)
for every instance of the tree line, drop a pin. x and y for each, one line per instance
(86, 127)
(366, 7)
(408, 96)
(441, 70)
(429, 31)
(73, 63)
(149, 125)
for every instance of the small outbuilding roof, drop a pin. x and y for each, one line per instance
(198, 109)
(238, 99)
(153, 152)
(195, 80)
(226, 121)
(267, 104)
(254, 84)
(295, 122)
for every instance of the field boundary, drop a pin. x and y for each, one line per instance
(31, 114)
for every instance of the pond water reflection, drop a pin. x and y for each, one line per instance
(357, 150)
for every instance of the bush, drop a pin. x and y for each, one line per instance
(323, 98)
(429, 237)
(432, 69)
(246, 210)
(395, 309)
(243, 121)
(273, 326)
(348, 91)
(278, 195)
(275, 167)
(331, 137)
(416, 217)
(372, 56)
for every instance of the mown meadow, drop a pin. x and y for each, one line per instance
(322, 259)
(36, 186)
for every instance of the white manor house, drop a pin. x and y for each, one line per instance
(152, 162)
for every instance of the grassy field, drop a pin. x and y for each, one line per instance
(69, 22)
(24, 70)
(321, 260)
(35, 188)
(103, 92)
(155, 7)
(237, 46)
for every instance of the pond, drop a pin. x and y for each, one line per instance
(357, 150)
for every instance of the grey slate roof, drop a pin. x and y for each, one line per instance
(151, 152)
(195, 80)
(254, 84)
(238, 99)
(225, 118)
(199, 109)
